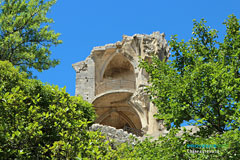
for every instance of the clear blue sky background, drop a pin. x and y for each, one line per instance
(85, 24)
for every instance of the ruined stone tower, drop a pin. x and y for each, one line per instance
(111, 80)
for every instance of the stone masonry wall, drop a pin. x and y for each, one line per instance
(111, 80)
(119, 135)
(85, 79)
(122, 136)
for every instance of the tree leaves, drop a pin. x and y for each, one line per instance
(25, 34)
(39, 120)
(201, 83)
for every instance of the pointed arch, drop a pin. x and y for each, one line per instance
(111, 58)
(106, 115)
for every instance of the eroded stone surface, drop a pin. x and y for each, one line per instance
(111, 79)
(121, 136)
(112, 133)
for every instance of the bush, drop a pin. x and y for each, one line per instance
(224, 146)
(39, 121)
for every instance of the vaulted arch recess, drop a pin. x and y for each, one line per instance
(118, 74)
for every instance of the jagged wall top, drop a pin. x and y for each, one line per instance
(139, 44)
(142, 44)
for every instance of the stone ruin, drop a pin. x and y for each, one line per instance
(111, 80)
(118, 135)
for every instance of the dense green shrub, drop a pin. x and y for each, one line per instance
(171, 147)
(39, 121)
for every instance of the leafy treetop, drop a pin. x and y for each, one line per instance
(202, 82)
(25, 34)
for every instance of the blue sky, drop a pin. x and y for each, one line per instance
(86, 24)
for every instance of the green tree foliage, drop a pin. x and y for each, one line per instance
(39, 121)
(25, 34)
(202, 82)
(184, 147)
